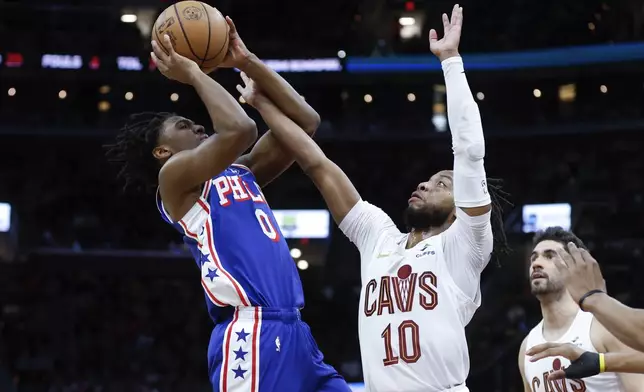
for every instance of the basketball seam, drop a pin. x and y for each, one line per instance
(185, 36)
(209, 33)
(223, 46)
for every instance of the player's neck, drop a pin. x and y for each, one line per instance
(416, 235)
(558, 311)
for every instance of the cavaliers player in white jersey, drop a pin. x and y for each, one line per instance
(586, 285)
(564, 322)
(419, 289)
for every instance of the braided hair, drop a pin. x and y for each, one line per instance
(132, 150)
(500, 198)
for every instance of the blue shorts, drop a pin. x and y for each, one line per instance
(265, 350)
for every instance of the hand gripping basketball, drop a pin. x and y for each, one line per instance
(173, 65)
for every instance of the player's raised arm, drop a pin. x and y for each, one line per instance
(268, 158)
(471, 196)
(235, 132)
(360, 221)
(586, 285)
(333, 183)
(470, 185)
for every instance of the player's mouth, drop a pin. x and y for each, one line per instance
(414, 197)
(538, 275)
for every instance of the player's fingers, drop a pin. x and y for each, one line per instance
(159, 63)
(240, 89)
(575, 253)
(550, 352)
(454, 16)
(566, 257)
(446, 25)
(459, 17)
(231, 25)
(433, 36)
(168, 45)
(557, 375)
(158, 52)
(539, 348)
(564, 261)
(588, 258)
(245, 78)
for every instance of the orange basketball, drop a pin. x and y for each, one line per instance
(197, 31)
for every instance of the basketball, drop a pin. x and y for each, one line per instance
(197, 31)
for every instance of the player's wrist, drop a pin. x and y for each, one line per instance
(587, 365)
(248, 61)
(448, 54)
(592, 302)
(194, 75)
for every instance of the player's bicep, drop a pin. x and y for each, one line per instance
(267, 159)
(364, 224)
(189, 169)
(469, 239)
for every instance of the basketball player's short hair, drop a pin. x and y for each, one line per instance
(132, 150)
(558, 234)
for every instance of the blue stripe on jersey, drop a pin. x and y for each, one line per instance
(236, 242)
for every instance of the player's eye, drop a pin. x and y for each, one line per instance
(441, 183)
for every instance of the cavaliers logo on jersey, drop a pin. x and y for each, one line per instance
(398, 293)
(567, 385)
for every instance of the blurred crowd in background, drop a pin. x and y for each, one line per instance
(97, 294)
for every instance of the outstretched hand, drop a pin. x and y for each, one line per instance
(250, 91)
(448, 45)
(581, 271)
(173, 65)
(238, 54)
(582, 363)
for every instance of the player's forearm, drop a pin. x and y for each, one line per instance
(290, 135)
(625, 323)
(470, 186)
(224, 110)
(630, 362)
(283, 95)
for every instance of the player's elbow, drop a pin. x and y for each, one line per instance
(316, 165)
(246, 132)
(312, 122)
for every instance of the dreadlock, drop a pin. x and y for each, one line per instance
(499, 199)
(132, 151)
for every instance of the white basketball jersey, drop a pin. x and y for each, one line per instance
(412, 319)
(579, 335)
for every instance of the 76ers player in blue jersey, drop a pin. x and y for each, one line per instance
(212, 195)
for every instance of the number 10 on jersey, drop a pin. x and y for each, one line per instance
(408, 341)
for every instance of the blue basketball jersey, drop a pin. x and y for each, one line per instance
(237, 243)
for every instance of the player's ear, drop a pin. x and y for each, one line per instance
(161, 152)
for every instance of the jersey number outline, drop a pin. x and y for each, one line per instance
(407, 327)
(267, 226)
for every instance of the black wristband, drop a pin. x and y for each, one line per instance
(587, 365)
(588, 294)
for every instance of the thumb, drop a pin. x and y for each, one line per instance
(557, 375)
(433, 37)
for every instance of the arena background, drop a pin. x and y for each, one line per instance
(97, 294)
